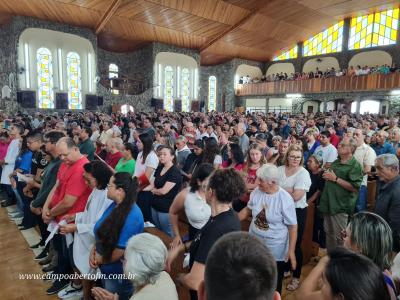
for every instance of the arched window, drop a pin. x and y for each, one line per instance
(212, 93)
(113, 73)
(168, 88)
(45, 78)
(185, 89)
(74, 81)
(126, 108)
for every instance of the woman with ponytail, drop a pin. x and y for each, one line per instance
(120, 221)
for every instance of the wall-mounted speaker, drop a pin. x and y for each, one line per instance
(100, 101)
(61, 100)
(91, 102)
(27, 99)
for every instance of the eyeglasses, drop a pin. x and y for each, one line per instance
(294, 157)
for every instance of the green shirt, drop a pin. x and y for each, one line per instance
(125, 166)
(87, 148)
(49, 179)
(335, 199)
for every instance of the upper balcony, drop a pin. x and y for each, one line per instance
(371, 82)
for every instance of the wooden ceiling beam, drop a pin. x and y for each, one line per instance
(107, 15)
(228, 30)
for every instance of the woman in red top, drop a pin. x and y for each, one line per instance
(235, 158)
(255, 159)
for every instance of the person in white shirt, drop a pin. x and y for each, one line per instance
(95, 133)
(210, 131)
(295, 179)
(201, 132)
(97, 175)
(326, 150)
(366, 156)
(16, 130)
(107, 132)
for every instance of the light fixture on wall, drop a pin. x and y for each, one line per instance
(294, 95)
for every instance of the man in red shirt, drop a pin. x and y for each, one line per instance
(68, 196)
(334, 138)
(113, 151)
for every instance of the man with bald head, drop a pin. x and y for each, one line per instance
(68, 196)
(243, 138)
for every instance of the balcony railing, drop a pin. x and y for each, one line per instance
(322, 85)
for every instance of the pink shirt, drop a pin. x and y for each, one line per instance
(3, 150)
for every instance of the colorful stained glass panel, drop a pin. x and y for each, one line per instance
(168, 88)
(185, 89)
(74, 81)
(287, 54)
(45, 78)
(212, 93)
(327, 41)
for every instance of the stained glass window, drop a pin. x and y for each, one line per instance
(328, 41)
(385, 27)
(74, 81)
(185, 89)
(168, 88)
(374, 29)
(287, 54)
(45, 78)
(113, 73)
(212, 93)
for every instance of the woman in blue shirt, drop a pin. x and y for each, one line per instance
(22, 165)
(120, 221)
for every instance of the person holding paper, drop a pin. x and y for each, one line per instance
(69, 195)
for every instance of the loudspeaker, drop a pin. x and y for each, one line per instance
(61, 100)
(100, 101)
(91, 102)
(177, 105)
(27, 99)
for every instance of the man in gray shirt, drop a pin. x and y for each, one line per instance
(243, 138)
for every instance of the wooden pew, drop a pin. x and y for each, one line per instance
(371, 199)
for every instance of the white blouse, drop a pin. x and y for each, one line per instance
(84, 239)
(197, 210)
(299, 181)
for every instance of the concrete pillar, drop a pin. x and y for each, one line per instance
(267, 105)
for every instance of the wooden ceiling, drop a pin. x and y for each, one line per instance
(221, 30)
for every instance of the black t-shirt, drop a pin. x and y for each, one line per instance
(206, 237)
(38, 162)
(317, 184)
(162, 203)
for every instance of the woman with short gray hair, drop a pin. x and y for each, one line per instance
(144, 265)
(273, 218)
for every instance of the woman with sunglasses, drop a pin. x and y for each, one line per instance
(295, 179)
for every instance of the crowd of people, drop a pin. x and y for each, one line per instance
(329, 72)
(102, 179)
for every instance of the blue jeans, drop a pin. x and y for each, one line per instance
(161, 220)
(361, 204)
(123, 287)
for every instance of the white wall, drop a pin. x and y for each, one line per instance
(330, 106)
(36, 38)
(323, 65)
(280, 67)
(244, 70)
(256, 102)
(371, 58)
(314, 104)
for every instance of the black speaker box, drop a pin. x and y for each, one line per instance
(61, 100)
(27, 99)
(100, 101)
(91, 102)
